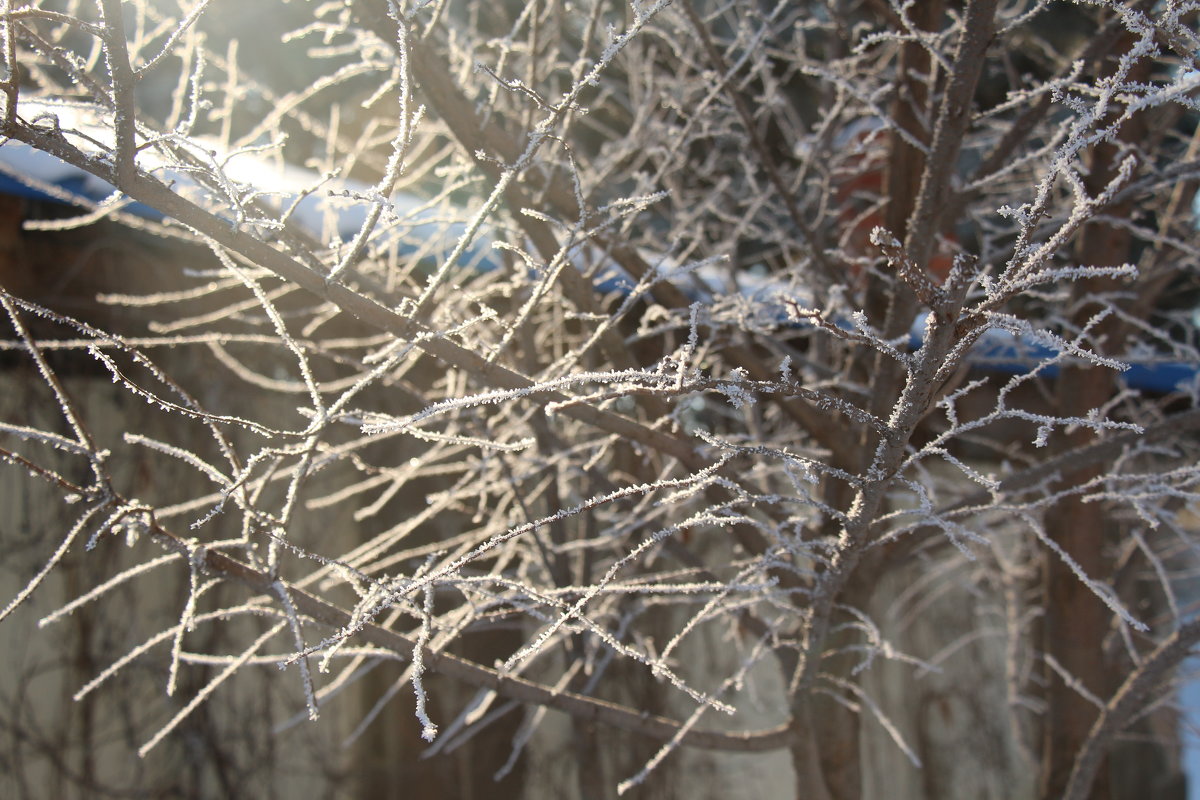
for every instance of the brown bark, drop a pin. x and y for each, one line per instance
(1076, 620)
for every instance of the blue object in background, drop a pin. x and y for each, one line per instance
(30, 173)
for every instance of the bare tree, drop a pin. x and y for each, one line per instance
(682, 322)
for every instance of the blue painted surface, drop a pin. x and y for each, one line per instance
(997, 352)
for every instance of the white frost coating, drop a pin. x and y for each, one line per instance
(646, 387)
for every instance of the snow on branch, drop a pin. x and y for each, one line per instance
(643, 349)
